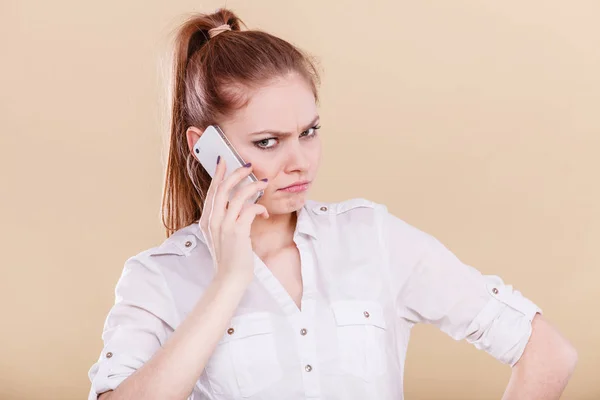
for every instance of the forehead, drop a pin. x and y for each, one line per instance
(286, 104)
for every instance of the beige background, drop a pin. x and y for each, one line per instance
(473, 120)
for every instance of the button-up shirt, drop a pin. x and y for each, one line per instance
(368, 278)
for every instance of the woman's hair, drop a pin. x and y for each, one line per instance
(211, 78)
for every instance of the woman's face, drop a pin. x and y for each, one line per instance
(276, 133)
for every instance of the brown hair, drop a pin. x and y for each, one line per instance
(210, 79)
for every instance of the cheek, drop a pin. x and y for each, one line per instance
(315, 155)
(267, 168)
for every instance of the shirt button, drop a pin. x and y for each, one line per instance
(323, 208)
(230, 331)
(303, 332)
(188, 243)
(366, 314)
(308, 368)
(109, 354)
(495, 290)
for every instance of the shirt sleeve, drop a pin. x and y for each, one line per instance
(137, 325)
(434, 286)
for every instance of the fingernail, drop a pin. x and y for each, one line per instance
(265, 179)
(247, 165)
(218, 159)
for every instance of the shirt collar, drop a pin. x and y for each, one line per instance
(304, 222)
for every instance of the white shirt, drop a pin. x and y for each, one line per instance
(368, 277)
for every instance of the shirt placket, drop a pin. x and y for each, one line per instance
(303, 323)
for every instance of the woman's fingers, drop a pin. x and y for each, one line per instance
(223, 191)
(214, 183)
(247, 216)
(236, 177)
(207, 210)
(237, 203)
(220, 215)
(221, 198)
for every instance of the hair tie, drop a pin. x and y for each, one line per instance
(215, 31)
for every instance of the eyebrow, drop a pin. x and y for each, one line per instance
(280, 133)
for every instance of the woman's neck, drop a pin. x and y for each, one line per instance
(272, 234)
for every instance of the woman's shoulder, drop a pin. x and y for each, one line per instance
(180, 243)
(343, 206)
(149, 277)
(154, 268)
(358, 211)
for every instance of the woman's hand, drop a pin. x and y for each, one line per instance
(226, 224)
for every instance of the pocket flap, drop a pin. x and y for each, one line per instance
(243, 326)
(358, 312)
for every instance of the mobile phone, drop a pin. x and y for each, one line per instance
(214, 143)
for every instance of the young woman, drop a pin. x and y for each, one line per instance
(290, 298)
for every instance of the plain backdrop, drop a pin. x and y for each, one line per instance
(476, 121)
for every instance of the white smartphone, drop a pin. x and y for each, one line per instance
(214, 143)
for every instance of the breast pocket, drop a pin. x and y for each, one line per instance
(245, 361)
(361, 333)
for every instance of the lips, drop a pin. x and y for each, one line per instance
(299, 183)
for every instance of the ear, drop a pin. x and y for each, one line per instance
(192, 134)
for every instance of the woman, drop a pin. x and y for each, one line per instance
(290, 298)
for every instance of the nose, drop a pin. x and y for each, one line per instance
(297, 159)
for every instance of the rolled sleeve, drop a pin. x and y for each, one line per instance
(137, 325)
(503, 327)
(435, 287)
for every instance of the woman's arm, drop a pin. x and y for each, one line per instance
(440, 289)
(544, 369)
(173, 370)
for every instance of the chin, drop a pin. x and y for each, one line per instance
(284, 205)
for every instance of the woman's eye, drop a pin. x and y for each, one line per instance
(269, 143)
(264, 144)
(311, 131)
